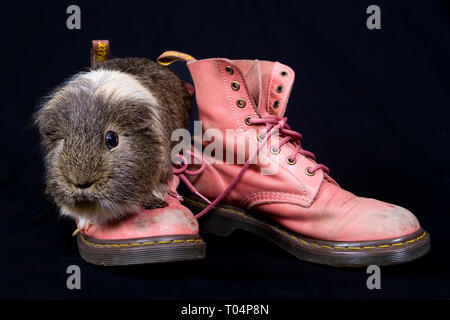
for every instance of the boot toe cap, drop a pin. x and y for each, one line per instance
(377, 220)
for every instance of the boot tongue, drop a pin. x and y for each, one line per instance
(269, 84)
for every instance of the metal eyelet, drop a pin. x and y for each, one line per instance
(275, 150)
(283, 73)
(241, 103)
(229, 70)
(280, 89)
(276, 104)
(235, 85)
(261, 137)
(308, 172)
(288, 160)
(246, 120)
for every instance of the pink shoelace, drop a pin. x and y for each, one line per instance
(272, 123)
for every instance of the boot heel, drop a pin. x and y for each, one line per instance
(217, 224)
(214, 222)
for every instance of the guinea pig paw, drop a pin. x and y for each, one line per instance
(82, 225)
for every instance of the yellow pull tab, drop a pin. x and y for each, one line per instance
(170, 57)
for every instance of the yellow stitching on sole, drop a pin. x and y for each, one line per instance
(311, 243)
(136, 244)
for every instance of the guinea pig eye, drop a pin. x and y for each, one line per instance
(111, 140)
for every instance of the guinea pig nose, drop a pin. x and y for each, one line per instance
(84, 185)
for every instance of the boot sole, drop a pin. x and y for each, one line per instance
(141, 251)
(224, 219)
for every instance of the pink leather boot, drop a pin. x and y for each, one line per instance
(300, 208)
(150, 236)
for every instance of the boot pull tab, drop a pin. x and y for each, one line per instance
(169, 57)
(99, 51)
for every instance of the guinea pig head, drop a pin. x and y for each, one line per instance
(105, 146)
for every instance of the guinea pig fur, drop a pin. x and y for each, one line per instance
(106, 134)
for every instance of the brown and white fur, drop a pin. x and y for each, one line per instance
(139, 100)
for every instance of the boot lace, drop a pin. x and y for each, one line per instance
(272, 123)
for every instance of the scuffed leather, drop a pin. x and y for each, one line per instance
(174, 219)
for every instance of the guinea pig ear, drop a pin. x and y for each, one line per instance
(189, 87)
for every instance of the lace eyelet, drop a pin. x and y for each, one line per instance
(279, 89)
(308, 172)
(276, 104)
(283, 73)
(275, 150)
(241, 103)
(247, 118)
(261, 137)
(289, 162)
(229, 70)
(235, 85)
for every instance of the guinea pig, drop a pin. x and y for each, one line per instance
(106, 134)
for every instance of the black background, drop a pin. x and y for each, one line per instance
(371, 104)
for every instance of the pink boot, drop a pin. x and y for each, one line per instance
(151, 236)
(300, 208)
